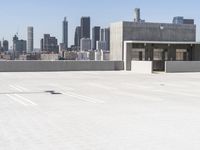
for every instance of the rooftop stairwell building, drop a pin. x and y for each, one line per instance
(157, 42)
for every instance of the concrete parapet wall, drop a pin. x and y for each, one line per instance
(36, 66)
(182, 66)
(144, 67)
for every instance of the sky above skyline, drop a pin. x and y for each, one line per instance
(46, 16)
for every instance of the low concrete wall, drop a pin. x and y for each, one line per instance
(34, 66)
(182, 66)
(145, 67)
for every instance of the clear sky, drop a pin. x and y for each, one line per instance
(46, 15)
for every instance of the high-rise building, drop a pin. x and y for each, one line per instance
(65, 33)
(30, 39)
(77, 37)
(49, 44)
(95, 36)
(105, 36)
(137, 15)
(5, 45)
(19, 46)
(85, 44)
(85, 27)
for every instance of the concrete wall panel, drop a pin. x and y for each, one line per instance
(144, 67)
(34, 66)
(182, 66)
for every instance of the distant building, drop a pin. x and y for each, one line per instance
(49, 56)
(65, 33)
(137, 15)
(95, 36)
(105, 37)
(77, 37)
(5, 45)
(19, 46)
(181, 20)
(101, 45)
(85, 44)
(49, 44)
(30, 39)
(85, 27)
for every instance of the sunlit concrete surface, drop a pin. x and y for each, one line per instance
(99, 111)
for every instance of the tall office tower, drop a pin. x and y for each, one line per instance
(49, 44)
(65, 33)
(42, 45)
(105, 36)
(5, 45)
(19, 46)
(85, 27)
(95, 36)
(30, 39)
(85, 44)
(77, 37)
(137, 15)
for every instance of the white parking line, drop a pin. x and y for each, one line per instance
(82, 97)
(22, 88)
(16, 99)
(16, 88)
(25, 99)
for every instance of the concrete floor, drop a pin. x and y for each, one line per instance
(99, 111)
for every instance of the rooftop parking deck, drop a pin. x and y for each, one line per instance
(99, 111)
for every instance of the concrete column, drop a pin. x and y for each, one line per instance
(171, 53)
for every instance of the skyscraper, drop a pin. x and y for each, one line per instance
(95, 36)
(105, 36)
(85, 27)
(77, 37)
(65, 33)
(5, 45)
(49, 44)
(30, 39)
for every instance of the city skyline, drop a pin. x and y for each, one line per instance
(48, 20)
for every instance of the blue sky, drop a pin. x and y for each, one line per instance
(46, 15)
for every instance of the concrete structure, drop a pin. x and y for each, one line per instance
(95, 36)
(132, 31)
(30, 39)
(145, 67)
(85, 44)
(159, 52)
(35, 66)
(182, 66)
(85, 27)
(65, 33)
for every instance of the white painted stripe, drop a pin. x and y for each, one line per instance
(16, 99)
(84, 98)
(22, 88)
(14, 87)
(25, 99)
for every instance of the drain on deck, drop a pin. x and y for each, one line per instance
(53, 92)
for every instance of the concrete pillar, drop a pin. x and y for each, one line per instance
(171, 53)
